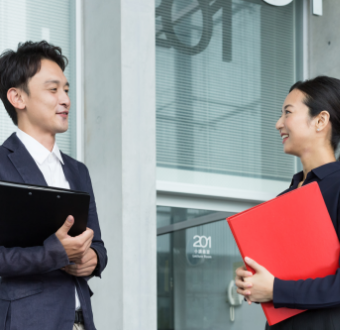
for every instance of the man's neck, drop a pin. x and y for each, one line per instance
(44, 138)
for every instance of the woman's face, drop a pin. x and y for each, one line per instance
(297, 129)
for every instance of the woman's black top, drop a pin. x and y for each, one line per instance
(320, 292)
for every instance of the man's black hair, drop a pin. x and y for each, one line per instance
(16, 68)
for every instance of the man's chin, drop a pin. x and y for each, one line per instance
(59, 130)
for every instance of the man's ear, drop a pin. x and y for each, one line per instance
(16, 98)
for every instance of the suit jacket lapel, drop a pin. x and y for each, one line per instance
(29, 170)
(70, 172)
(23, 161)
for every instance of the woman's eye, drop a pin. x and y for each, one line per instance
(287, 111)
(53, 89)
(66, 91)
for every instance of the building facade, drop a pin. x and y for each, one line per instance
(174, 110)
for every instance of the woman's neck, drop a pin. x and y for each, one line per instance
(317, 159)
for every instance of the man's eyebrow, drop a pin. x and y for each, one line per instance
(55, 82)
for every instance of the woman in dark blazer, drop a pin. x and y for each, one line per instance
(310, 129)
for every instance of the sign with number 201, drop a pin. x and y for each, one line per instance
(202, 241)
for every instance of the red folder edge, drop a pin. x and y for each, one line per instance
(268, 308)
(273, 315)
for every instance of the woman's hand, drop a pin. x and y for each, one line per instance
(257, 287)
(241, 274)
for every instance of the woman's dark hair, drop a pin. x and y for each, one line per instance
(16, 68)
(323, 93)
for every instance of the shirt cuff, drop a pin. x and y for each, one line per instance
(283, 295)
(96, 271)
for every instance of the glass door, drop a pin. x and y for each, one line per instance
(195, 267)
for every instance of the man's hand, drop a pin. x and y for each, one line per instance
(76, 247)
(85, 266)
(257, 287)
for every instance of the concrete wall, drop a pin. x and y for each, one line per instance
(119, 70)
(324, 40)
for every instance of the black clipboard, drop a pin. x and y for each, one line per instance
(30, 213)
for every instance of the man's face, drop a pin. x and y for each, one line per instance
(48, 103)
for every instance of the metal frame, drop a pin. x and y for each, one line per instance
(194, 222)
(305, 41)
(79, 82)
(302, 44)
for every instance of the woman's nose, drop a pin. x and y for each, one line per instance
(279, 124)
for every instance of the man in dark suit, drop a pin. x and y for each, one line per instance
(45, 287)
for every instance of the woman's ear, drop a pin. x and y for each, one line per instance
(15, 97)
(322, 120)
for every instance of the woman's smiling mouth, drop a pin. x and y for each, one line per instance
(284, 137)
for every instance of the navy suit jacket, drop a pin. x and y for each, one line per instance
(34, 292)
(319, 292)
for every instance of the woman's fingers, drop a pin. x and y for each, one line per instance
(243, 292)
(240, 283)
(243, 272)
(242, 286)
(246, 294)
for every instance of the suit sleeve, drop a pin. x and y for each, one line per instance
(308, 294)
(93, 223)
(34, 260)
(311, 293)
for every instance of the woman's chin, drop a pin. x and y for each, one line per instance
(290, 151)
(287, 149)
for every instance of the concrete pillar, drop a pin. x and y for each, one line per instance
(324, 41)
(119, 77)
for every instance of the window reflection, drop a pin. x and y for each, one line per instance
(167, 215)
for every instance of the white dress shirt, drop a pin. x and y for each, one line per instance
(49, 164)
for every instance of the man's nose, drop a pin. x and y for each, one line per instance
(65, 100)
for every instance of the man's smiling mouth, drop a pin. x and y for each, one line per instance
(63, 114)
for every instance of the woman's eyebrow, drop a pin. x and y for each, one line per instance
(286, 106)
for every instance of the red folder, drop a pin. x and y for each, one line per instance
(292, 236)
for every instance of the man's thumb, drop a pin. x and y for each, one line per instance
(64, 229)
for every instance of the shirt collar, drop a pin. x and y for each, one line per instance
(320, 172)
(36, 149)
(296, 179)
(324, 170)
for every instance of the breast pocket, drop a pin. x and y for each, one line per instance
(12, 288)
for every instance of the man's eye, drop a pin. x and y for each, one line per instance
(287, 111)
(53, 89)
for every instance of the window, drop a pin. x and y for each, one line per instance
(223, 70)
(53, 21)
